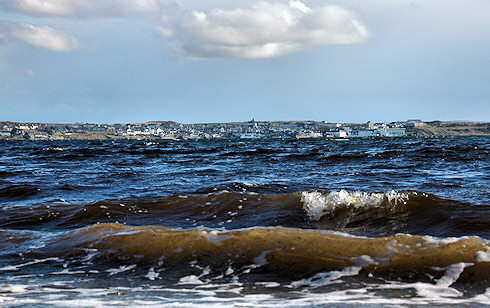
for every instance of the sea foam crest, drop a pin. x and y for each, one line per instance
(317, 204)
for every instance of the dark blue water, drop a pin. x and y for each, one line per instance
(84, 171)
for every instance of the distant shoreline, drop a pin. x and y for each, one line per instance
(441, 129)
(169, 130)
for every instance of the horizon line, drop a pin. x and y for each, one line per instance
(245, 121)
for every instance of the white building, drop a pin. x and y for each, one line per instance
(302, 135)
(339, 134)
(391, 132)
(364, 133)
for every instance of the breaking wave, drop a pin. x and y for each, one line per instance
(286, 254)
(358, 213)
(317, 204)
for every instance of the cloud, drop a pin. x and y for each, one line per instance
(40, 37)
(85, 8)
(266, 30)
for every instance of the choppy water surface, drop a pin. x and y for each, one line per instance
(256, 222)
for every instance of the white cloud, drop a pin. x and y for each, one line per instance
(85, 8)
(49, 7)
(264, 31)
(140, 6)
(41, 37)
(164, 32)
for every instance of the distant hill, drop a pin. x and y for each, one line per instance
(438, 128)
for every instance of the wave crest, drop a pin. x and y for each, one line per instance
(317, 204)
(287, 254)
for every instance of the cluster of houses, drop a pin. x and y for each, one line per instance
(173, 130)
(371, 130)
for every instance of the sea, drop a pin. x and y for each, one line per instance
(381, 222)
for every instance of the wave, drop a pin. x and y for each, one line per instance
(6, 174)
(18, 192)
(317, 205)
(391, 212)
(359, 213)
(344, 157)
(285, 254)
(219, 209)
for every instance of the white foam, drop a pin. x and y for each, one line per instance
(258, 262)
(121, 269)
(16, 288)
(261, 260)
(483, 298)
(16, 267)
(91, 254)
(205, 271)
(483, 256)
(391, 249)
(54, 149)
(191, 279)
(152, 275)
(66, 271)
(218, 295)
(363, 260)
(323, 279)
(452, 274)
(38, 246)
(229, 271)
(442, 241)
(268, 284)
(316, 204)
(214, 236)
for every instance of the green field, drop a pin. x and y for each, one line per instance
(450, 129)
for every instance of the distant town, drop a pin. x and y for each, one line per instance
(244, 130)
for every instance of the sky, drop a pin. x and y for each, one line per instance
(119, 61)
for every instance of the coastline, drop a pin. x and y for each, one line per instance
(310, 129)
(450, 129)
